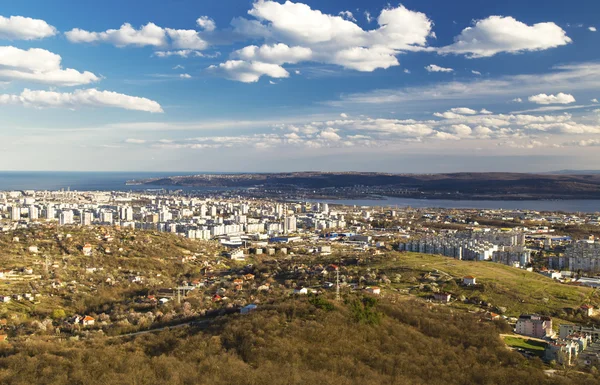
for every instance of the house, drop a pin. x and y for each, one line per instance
(87, 250)
(3, 337)
(88, 321)
(236, 255)
(33, 249)
(248, 309)
(442, 297)
(300, 290)
(534, 325)
(373, 290)
(587, 310)
(469, 280)
(4, 298)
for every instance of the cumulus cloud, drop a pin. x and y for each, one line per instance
(39, 66)
(206, 23)
(274, 54)
(436, 68)
(24, 28)
(517, 100)
(560, 98)
(185, 76)
(476, 72)
(497, 34)
(303, 34)
(80, 98)
(248, 72)
(592, 29)
(149, 35)
(347, 15)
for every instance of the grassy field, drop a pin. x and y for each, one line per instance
(518, 290)
(535, 347)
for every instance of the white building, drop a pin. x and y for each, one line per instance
(65, 218)
(15, 213)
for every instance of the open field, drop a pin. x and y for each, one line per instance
(518, 290)
(533, 346)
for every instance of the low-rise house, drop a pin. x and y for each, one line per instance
(87, 250)
(442, 297)
(88, 321)
(587, 310)
(5, 298)
(469, 280)
(300, 290)
(561, 351)
(373, 290)
(236, 255)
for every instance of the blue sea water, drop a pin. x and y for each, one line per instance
(81, 181)
(115, 181)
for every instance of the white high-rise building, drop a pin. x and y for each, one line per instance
(50, 212)
(289, 224)
(15, 213)
(126, 213)
(34, 213)
(65, 218)
(106, 217)
(86, 218)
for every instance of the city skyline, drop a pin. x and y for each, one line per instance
(266, 86)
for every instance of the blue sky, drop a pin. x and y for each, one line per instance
(185, 85)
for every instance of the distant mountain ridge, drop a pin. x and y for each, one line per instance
(466, 185)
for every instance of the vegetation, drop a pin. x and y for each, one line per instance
(533, 346)
(293, 342)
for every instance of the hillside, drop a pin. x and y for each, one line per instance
(453, 185)
(296, 341)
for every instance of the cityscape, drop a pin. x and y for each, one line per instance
(299, 192)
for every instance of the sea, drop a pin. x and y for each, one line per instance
(86, 181)
(115, 181)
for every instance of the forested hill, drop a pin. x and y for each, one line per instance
(455, 185)
(297, 341)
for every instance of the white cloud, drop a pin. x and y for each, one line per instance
(135, 141)
(80, 98)
(186, 39)
(574, 77)
(436, 68)
(560, 98)
(184, 53)
(344, 115)
(248, 72)
(347, 15)
(39, 66)
(185, 76)
(485, 112)
(24, 28)
(178, 67)
(182, 42)
(476, 72)
(584, 143)
(148, 35)
(368, 17)
(406, 71)
(517, 100)
(463, 111)
(592, 29)
(206, 23)
(497, 34)
(275, 54)
(594, 100)
(331, 39)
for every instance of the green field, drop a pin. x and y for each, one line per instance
(518, 290)
(535, 347)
